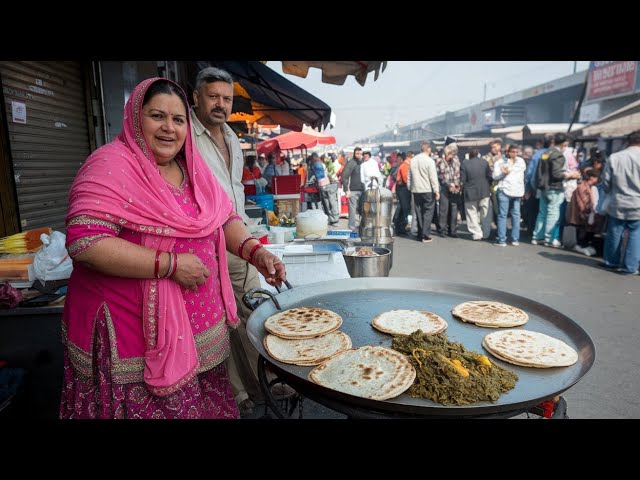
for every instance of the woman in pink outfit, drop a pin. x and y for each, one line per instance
(149, 303)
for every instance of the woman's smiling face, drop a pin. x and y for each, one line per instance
(164, 126)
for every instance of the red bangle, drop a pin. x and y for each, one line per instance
(253, 251)
(241, 247)
(156, 268)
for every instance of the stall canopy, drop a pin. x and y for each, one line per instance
(617, 124)
(294, 141)
(263, 96)
(336, 72)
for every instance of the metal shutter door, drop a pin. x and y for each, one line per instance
(50, 147)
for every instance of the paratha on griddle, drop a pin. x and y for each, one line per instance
(405, 322)
(307, 351)
(486, 313)
(303, 322)
(529, 349)
(372, 372)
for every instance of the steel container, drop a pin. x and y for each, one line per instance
(377, 266)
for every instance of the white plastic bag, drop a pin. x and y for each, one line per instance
(52, 262)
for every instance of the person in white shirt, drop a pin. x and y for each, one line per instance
(509, 173)
(262, 163)
(422, 182)
(282, 166)
(368, 170)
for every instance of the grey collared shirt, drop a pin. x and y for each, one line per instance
(231, 181)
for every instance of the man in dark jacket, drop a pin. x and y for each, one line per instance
(476, 179)
(352, 185)
(550, 174)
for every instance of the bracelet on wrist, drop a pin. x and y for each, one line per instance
(170, 266)
(253, 252)
(174, 266)
(242, 244)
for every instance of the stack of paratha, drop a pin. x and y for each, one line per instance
(529, 349)
(305, 336)
(307, 351)
(485, 313)
(405, 322)
(372, 372)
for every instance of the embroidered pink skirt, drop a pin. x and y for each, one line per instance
(207, 395)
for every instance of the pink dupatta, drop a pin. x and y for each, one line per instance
(120, 183)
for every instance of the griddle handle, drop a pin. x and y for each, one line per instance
(252, 302)
(286, 282)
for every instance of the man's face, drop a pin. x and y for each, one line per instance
(495, 148)
(262, 161)
(213, 103)
(358, 155)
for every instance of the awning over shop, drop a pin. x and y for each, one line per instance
(336, 72)
(269, 98)
(617, 124)
(475, 142)
(544, 128)
(512, 133)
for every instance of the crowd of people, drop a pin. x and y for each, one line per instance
(560, 196)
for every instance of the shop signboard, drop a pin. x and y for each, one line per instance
(611, 79)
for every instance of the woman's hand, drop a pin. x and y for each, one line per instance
(270, 266)
(191, 272)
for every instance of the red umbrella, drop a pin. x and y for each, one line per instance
(293, 140)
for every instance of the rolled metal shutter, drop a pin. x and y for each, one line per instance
(50, 147)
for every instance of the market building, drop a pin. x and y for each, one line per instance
(526, 115)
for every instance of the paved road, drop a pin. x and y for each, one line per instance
(605, 304)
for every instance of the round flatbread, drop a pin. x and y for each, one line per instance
(405, 322)
(485, 313)
(303, 322)
(307, 351)
(372, 372)
(529, 349)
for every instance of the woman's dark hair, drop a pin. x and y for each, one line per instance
(167, 87)
(250, 161)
